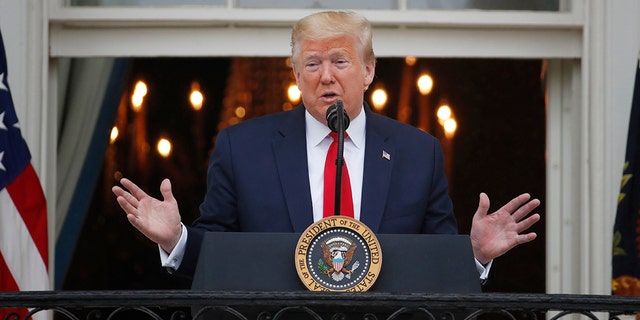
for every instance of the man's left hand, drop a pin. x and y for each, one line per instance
(492, 235)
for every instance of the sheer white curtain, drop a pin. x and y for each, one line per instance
(89, 91)
(81, 98)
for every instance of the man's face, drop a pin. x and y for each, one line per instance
(329, 70)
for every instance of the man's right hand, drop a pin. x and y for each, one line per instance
(157, 220)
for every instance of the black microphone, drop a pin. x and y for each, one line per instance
(333, 115)
(338, 121)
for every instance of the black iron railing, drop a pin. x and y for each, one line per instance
(183, 305)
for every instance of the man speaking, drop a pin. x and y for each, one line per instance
(268, 174)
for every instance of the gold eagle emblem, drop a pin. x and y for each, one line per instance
(338, 253)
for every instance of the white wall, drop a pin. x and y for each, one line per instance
(622, 30)
(612, 41)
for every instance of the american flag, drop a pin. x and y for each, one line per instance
(24, 252)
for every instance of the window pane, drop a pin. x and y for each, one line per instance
(533, 5)
(146, 3)
(281, 4)
(322, 4)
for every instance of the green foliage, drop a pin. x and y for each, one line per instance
(322, 267)
(617, 250)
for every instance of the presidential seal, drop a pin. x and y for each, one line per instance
(338, 254)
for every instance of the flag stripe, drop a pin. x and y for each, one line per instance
(27, 196)
(20, 253)
(7, 283)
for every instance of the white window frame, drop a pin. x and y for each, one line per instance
(578, 233)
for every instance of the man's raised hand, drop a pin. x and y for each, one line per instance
(157, 220)
(492, 235)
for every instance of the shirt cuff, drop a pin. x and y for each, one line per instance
(172, 260)
(483, 270)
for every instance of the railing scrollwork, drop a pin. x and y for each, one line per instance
(204, 305)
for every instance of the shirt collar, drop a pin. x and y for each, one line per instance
(317, 131)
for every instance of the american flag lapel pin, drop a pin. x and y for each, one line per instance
(386, 155)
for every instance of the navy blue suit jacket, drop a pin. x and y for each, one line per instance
(258, 181)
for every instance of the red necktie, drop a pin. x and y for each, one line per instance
(346, 200)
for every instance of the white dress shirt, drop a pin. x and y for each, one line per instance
(318, 142)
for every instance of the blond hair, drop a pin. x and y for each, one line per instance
(331, 24)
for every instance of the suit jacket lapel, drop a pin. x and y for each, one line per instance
(378, 162)
(290, 153)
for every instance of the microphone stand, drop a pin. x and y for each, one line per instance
(339, 159)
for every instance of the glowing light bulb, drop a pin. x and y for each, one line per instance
(114, 135)
(164, 147)
(425, 84)
(196, 98)
(294, 93)
(379, 99)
